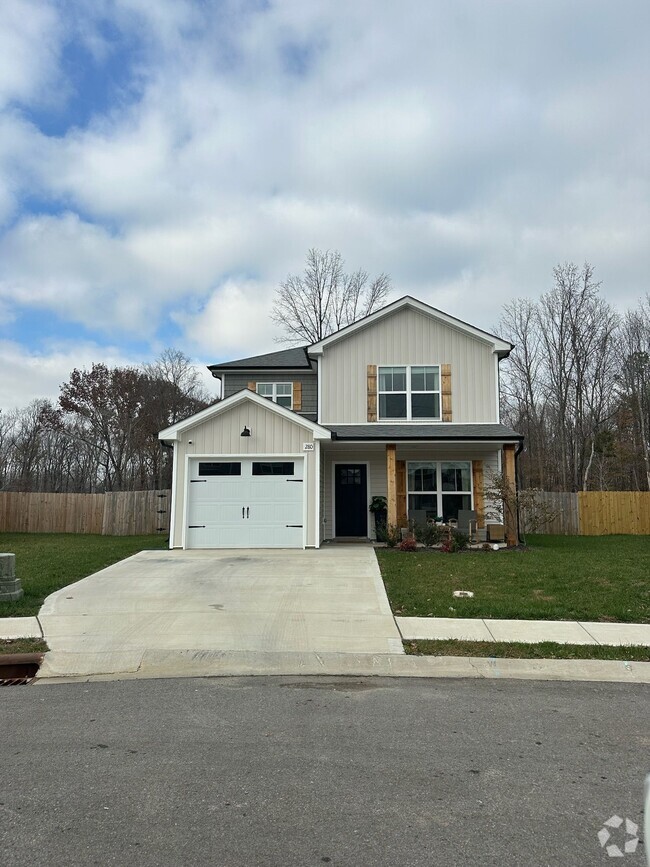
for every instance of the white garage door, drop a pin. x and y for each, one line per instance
(245, 503)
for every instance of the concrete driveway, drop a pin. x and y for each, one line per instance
(330, 600)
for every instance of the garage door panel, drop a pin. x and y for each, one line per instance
(218, 490)
(217, 537)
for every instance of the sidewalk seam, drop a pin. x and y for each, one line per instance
(485, 623)
(593, 637)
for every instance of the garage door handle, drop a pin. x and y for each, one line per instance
(242, 511)
(247, 510)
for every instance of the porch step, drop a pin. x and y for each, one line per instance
(352, 540)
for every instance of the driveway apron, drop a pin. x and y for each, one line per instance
(268, 601)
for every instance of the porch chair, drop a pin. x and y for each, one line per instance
(468, 523)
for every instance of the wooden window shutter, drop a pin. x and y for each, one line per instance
(297, 396)
(478, 485)
(372, 392)
(445, 387)
(400, 493)
(252, 386)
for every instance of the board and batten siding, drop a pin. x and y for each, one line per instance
(271, 434)
(234, 382)
(408, 337)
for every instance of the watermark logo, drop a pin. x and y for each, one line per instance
(624, 831)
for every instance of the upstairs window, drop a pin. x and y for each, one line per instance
(279, 392)
(409, 393)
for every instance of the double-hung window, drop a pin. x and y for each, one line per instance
(409, 393)
(279, 392)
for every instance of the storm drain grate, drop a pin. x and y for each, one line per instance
(15, 681)
(19, 669)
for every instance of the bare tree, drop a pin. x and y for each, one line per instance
(324, 298)
(634, 383)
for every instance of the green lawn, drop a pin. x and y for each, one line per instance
(45, 562)
(604, 578)
(517, 650)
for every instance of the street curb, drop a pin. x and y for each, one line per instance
(64, 667)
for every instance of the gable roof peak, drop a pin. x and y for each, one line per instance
(501, 347)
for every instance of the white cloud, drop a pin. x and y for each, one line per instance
(234, 322)
(29, 375)
(30, 42)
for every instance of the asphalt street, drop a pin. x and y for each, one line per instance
(290, 771)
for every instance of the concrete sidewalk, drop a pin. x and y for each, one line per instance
(20, 627)
(464, 629)
(526, 631)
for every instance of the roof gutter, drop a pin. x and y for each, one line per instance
(412, 439)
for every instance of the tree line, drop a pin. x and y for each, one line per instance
(102, 433)
(577, 385)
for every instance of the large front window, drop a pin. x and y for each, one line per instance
(440, 488)
(279, 392)
(409, 393)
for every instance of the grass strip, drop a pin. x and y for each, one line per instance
(22, 645)
(520, 650)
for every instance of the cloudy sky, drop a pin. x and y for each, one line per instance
(163, 165)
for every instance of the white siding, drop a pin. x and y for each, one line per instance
(408, 337)
(221, 435)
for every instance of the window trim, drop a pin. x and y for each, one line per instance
(274, 395)
(409, 392)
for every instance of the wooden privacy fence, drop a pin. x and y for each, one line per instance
(596, 513)
(123, 513)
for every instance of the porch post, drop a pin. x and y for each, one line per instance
(510, 505)
(391, 484)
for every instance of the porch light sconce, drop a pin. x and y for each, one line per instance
(246, 432)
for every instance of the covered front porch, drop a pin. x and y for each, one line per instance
(431, 478)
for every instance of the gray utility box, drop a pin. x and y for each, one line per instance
(10, 588)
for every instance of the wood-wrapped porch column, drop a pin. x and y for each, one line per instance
(510, 506)
(391, 484)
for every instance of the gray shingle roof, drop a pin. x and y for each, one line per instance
(283, 358)
(446, 431)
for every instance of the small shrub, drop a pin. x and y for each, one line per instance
(408, 544)
(455, 542)
(390, 534)
(428, 534)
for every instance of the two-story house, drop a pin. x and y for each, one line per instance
(402, 404)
